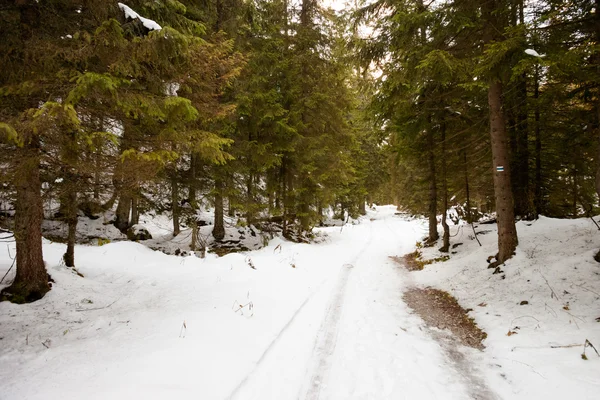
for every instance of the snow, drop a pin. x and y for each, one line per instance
(534, 53)
(311, 321)
(554, 271)
(148, 23)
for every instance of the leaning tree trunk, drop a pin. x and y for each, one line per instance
(433, 233)
(31, 281)
(507, 232)
(219, 228)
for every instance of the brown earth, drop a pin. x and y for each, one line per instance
(439, 309)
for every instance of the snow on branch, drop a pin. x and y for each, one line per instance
(534, 53)
(148, 23)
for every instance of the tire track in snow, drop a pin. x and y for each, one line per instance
(236, 391)
(327, 337)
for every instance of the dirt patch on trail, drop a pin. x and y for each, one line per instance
(409, 261)
(439, 309)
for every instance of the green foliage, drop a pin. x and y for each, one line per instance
(9, 134)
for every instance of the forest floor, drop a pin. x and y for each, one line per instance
(326, 320)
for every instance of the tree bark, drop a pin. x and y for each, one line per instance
(521, 157)
(31, 281)
(433, 232)
(123, 211)
(537, 194)
(71, 218)
(175, 204)
(467, 191)
(507, 232)
(362, 207)
(284, 195)
(249, 199)
(446, 236)
(219, 228)
(135, 210)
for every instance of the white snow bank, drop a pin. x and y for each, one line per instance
(148, 23)
(547, 298)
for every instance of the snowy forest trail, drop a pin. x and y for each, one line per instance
(290, 321)
(356, 339)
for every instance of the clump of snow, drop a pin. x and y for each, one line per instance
(148, 23)
(534, 53)
(172, 88)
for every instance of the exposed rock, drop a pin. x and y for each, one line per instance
(138, 232)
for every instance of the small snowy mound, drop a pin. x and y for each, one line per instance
(138, 232)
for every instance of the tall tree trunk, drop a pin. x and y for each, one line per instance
(31, 281)
(507, 232)
(433, 232)
(467, 191)
(574, 211)
(495, 21)
(362, 208)
(123, 212)
(537, 193)
(175, 204)
(135, 209)
(521, 184)
(123, 184)
(284, 194)
(249, 200)
(71, 218)
(219, 228)
(446, 237)
(305, 205)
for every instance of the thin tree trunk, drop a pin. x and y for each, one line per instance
(537, 199)
(521, 186)
(467, 191)
(31, 281)
(249, 200)
(433, 232)
(574, 211)
(175, 204)
(446, 237)
(219, 228)
(71, 218)
(362, 209)
(507, 232)
(284, 195)
(97, 169)
(192, 184)
(123, 185)
(135, 210)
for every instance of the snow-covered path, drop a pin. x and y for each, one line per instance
(367, 344)
(319, 321)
